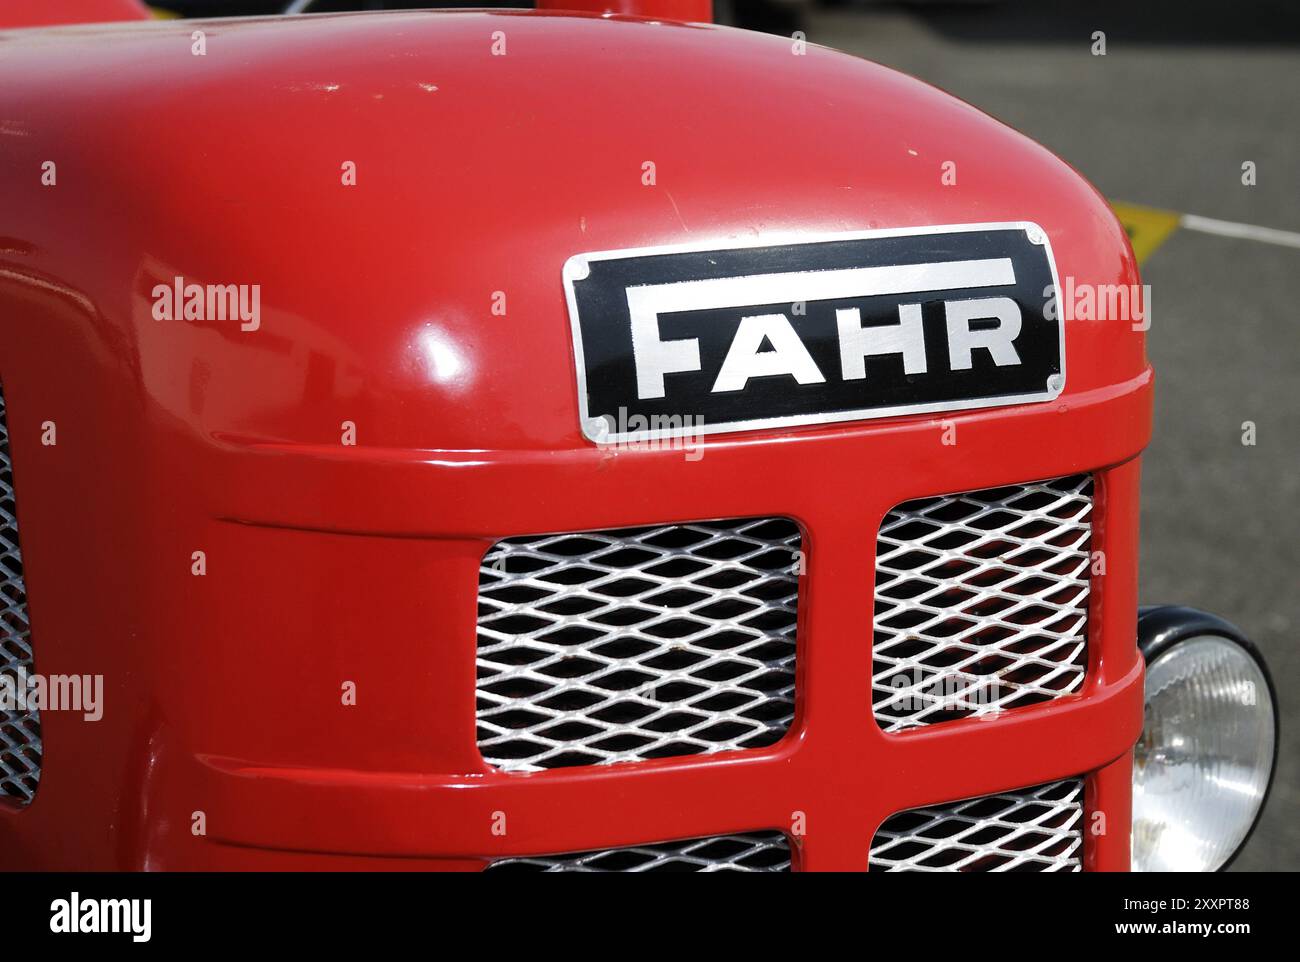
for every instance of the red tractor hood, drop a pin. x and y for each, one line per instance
(475, 173)
(243, 513)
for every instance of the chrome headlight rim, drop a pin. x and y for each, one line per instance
(1161, 627)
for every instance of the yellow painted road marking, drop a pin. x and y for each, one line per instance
(1147, 227)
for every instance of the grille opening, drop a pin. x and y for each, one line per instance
(749, 852)
(20, 729)
(637, 643)
(981, 602)
(1038, 829)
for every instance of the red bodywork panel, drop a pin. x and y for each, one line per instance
(689, 11)
(475, 174)
(42, 13)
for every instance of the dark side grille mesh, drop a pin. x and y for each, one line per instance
(981, 602)
(1037, 829)
(20, 729)
(637, 643)
(752, 852)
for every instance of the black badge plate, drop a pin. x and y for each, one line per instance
(684, 340)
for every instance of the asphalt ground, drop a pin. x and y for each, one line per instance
(1181, 99)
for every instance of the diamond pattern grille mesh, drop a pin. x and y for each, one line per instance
(752, 852)
(637, 643)
(20, 729)
(1037, 829)
(981, 602)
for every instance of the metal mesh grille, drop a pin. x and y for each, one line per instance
(981, 602)
(753, 852)
(637, 643)
(20, 729)
(1036, 829)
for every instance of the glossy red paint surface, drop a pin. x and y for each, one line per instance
(44, 13)
(689, 11)
(475, 174)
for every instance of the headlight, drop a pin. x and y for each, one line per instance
(1202, 768)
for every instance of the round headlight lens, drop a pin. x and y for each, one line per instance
(1202, 766)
